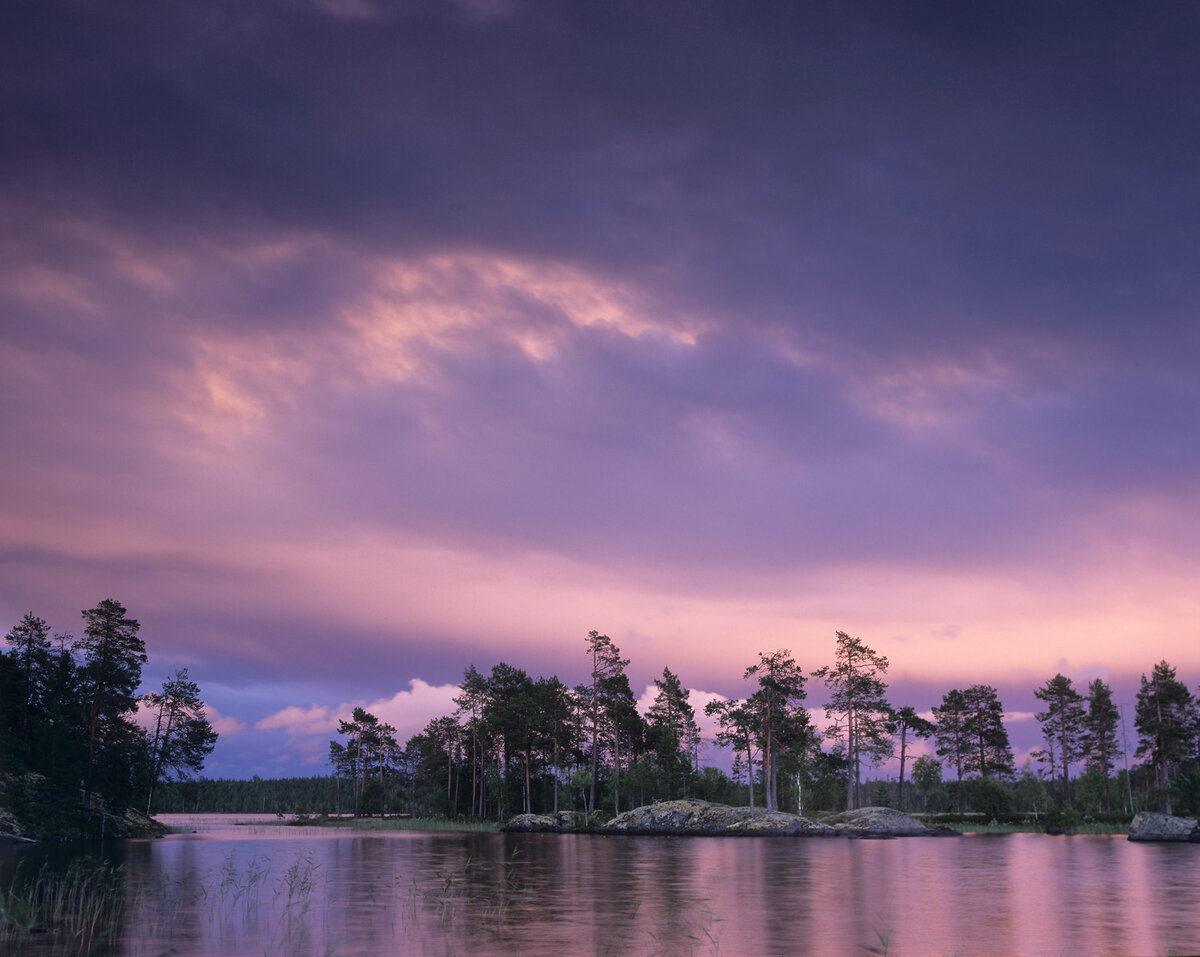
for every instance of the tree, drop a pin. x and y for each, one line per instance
(952, 734)
(990, 753)
(557, 706)
(511, 715)
(1062, 726)
(780, 723)
(1166, 726)
(906, 721)
(470, 712)
(1099, 742)
(735, 723)
(30, 643)
(672, 723)
(858, 707)
(113, 656)
(926, 775)
(182, 737)
(606, 663)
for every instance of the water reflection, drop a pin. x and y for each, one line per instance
(307, 891)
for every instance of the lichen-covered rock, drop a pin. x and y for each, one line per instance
(779, 822)
(531, 823)
(690, 817)
(570, 820)
(1150, 826)
(879, 822)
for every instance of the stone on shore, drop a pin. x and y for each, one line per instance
(691, 817)
(564, 821)
(879, 822)
(530, 823)
(1151, 826)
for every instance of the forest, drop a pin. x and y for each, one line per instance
(76, 737)
(517, 743)
(70, 744)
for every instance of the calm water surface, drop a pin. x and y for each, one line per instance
(229, 891)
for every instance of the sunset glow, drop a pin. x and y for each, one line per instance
(350, 344)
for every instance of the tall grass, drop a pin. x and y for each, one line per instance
(83, 903)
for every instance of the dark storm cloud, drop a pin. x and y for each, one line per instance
(852, 174)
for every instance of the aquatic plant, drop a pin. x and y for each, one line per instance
(82, 903)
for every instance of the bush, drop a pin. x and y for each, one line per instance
(989, 797)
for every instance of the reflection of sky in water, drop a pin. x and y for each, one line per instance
(258, 890)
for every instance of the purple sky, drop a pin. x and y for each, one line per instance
(349, 343)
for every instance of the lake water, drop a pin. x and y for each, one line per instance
(257, 889)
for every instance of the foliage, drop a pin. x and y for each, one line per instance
(1166, 724)
(673, 733)
(905, 721)
(990, 753)
(1099, 742)
(1062, 727)
(861, 716)
(66, 723)
(988, 796)
(182, 736)
(780, 725)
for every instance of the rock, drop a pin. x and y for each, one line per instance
(530, 823)
(571, 820)
(690, 817)
(879, 822)
(1149, 826)
(565, 821)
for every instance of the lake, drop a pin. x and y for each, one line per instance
(258, 889)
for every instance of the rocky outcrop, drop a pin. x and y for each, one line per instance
(560, 821)
(1149, 826)
(700, 818)
(881, 822)
(691, 817)
(528, 823)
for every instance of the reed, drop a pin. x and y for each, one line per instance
(83, 903)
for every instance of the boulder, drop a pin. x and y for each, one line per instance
(879, 822)
(531, 822)
(691, 817)
(1150, 826)
(570, 820)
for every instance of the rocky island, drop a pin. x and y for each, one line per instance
(704, 819)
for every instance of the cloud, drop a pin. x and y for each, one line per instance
(310, 729)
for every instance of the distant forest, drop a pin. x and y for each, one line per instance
(517, 743)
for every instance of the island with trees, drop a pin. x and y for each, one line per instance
(72, 757)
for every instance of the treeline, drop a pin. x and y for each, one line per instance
(69, 744)
(518, 743)
(317, 794)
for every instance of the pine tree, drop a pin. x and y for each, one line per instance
(990, 752)
(780, 723)
(1062, 726)
(606, 663)
(182, 737)
(858, 706)
(952, 734)
(906, 721)
(1099, 743)
(113, 656)
(1166, 724)
(672, 723)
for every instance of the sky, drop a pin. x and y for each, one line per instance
(349, 343)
